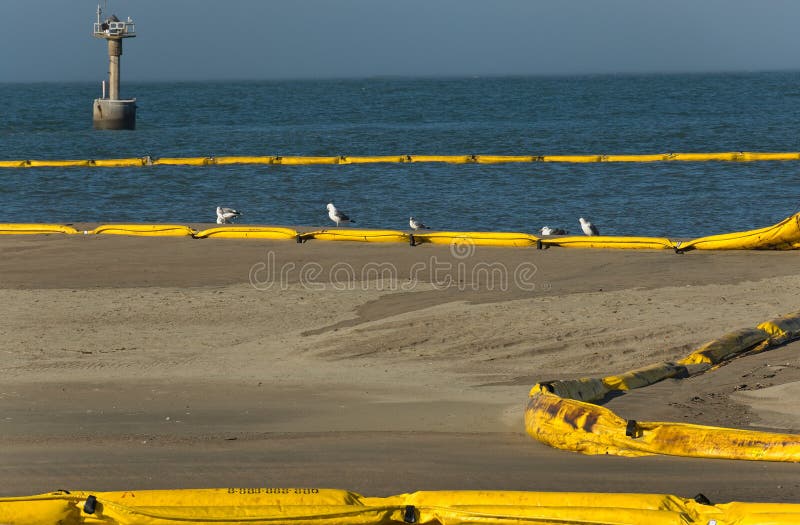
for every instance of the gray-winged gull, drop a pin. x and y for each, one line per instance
(588, 228)
(337, 216)
(226, 215)
(416, 224)
(547, 230)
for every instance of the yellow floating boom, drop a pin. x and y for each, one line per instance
(563, 415)
(782, 236)
(312, 506)
(730, 156)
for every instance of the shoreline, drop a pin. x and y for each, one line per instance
(110, 336)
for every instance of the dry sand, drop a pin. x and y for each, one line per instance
(143, 363)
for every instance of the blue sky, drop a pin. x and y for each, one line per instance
(49, 40)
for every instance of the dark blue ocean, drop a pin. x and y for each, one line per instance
(603, 114)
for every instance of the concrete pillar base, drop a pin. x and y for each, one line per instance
(114, 114)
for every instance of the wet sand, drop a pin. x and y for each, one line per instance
(138, 363)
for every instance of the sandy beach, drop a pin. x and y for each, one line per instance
(148, 363)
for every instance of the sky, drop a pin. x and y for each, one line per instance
(50, 40)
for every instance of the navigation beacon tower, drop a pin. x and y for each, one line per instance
(111, 112)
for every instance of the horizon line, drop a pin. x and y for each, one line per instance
(459, 76)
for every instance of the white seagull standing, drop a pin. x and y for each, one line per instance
(416, 224)
(337, 216)
(588, 228)
(226, 215)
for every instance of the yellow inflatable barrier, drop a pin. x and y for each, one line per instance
(560, 413)
(606, 241)
(782, 329)
(590, 429)
(585, 389)
(348, 234)
(477, 238)
(782, 236)
(120, 163)
(503, 159)
(146, 230)
(58, 163)
(371, 160)
(195, 161)
(311, 506)
(243, 160)
(247, 232)
(305, 161)
(644, 376)
(447, 159)
(635, 158)
(760, 156)
(573, 159)
(731, 156)
(35, 229)
(727, 346)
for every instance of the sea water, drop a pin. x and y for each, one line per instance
(598, 114)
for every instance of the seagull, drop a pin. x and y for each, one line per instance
(588, 228)
(336, 215)
(226, 215)
(547, 230)
(416, 224)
